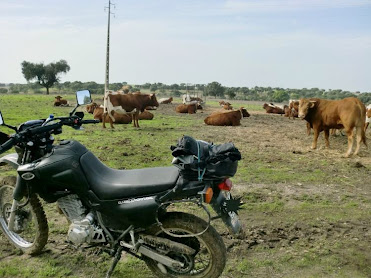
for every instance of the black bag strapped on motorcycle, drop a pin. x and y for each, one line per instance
(200, 160)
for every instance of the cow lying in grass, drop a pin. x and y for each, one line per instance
(227, 118)
(273, 109)
(186, 108)
(60, 102)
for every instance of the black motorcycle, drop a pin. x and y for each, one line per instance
(119, 210)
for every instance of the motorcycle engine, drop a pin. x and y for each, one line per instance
(82, 228)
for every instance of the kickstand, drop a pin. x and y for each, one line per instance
(115, 261)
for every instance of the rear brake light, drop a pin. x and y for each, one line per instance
(225, 185)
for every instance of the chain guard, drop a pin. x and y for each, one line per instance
(167, 245)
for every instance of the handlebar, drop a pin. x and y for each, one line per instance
(72, 121)
(90, 121)
(7, 145)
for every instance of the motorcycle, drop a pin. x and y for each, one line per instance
(117, 210)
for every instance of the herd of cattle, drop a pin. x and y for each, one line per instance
(349, 114)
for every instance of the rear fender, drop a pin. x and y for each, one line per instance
(230, 218)
(10, 159)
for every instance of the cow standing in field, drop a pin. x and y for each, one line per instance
(60, 102)
(273, 109)
(322, 115)
(97, 112)
(227, 118)
(128, 104)
(186, 108)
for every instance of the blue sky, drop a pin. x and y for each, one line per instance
(289, 43)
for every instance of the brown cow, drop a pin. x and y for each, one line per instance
(186, 108)
(273, 109)
(293, 108)
(145, 115)
(60, 102)
(222, 103)
(165, 100)
(227, 106)
(227, 118)
(129, 104)
(97, 112)
(322, 115)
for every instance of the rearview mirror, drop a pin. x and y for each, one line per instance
(1, 119)
(83, 97)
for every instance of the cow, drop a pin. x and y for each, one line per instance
(227, 118)
(97, 112)
(165, 100)
(293, 108)
(60, 102)
(227, 106)
(222, 103)
(273, 109)
(128, 104)
(145, 115)
(322, 115)
(186, 108)
(199, 100)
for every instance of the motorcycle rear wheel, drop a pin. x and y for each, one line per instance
(210, 258)
(31, 226)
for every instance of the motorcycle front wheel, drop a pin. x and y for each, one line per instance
(210, 256)
(30, 233)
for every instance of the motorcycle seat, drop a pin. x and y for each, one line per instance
(111, 184)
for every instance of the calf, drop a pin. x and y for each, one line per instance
(227, 118)
(273, 109)
(186, 108)
(322, 115)
(128, 104)
(60, 102)
(98, 112)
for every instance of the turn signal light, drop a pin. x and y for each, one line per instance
(225, 185)
(208, 195)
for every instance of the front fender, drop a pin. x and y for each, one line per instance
(10, 159)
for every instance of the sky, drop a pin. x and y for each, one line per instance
(322, 44)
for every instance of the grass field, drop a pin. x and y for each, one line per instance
(307, 213)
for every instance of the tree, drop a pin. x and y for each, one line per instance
(280, 96)
(215, 89)
(231, 93)
(44, 75)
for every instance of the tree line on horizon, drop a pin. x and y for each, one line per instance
(40, 76)
(213, 89)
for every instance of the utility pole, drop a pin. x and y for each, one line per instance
(106, 84)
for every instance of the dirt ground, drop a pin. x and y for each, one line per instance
(307, 213)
